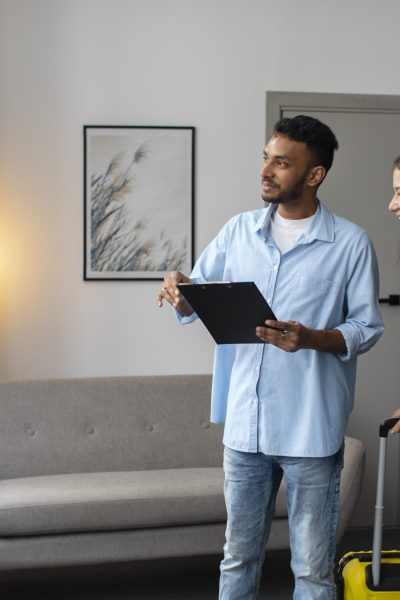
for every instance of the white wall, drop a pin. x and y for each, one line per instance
(206, 63)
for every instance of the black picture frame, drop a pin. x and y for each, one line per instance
(138, 201)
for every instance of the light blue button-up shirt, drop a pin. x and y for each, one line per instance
(293, 404)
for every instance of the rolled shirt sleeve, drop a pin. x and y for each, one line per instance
(363, 324)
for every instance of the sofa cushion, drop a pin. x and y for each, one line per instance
(83, 425)
(111, 501)
(118, 500)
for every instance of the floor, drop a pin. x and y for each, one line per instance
(183, 579)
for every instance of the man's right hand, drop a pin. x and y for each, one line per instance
(171, 293)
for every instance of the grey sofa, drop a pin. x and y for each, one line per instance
(113, 469)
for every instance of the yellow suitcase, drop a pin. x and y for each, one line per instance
(375, 574)
(354, 581)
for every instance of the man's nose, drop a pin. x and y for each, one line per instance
(266, 170)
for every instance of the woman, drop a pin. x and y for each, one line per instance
(394, 207)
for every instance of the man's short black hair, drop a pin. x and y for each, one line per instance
(319, 138)
(396, 163)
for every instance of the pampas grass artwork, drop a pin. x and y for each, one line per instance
(136, 209)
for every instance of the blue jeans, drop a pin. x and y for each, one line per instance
(312, 488)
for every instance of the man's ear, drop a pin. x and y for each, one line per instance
(316, 176)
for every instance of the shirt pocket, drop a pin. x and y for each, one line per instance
(313, 300)
(317, 286)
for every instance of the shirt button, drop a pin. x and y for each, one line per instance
(255, 402)
(275, 267)
(269, 300)
(257, 369)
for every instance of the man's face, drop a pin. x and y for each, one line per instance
(285, 170)
(394, 205)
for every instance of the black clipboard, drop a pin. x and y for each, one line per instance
(230, 311)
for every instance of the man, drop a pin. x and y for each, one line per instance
(285, 402)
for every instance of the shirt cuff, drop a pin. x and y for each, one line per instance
(184, 320)
(351, 339)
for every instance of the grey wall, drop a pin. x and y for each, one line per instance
(65, 63)
(205, 63)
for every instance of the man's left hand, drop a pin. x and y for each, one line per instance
(289, 336)
(292, 336)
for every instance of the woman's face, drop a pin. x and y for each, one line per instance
(394, 205)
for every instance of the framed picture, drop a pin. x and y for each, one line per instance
(138, 201)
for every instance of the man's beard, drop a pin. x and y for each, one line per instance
(287, 196)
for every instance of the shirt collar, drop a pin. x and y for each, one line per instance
(322, 227)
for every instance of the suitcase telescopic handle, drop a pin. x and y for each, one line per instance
(386, 426)
(384, 429)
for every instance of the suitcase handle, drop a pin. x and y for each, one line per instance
(384, 429)
(386, 426)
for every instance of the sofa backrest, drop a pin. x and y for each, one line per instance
(107, 423)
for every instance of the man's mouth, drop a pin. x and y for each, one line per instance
(268, 185)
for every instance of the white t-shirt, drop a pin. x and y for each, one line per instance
(286, 232)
